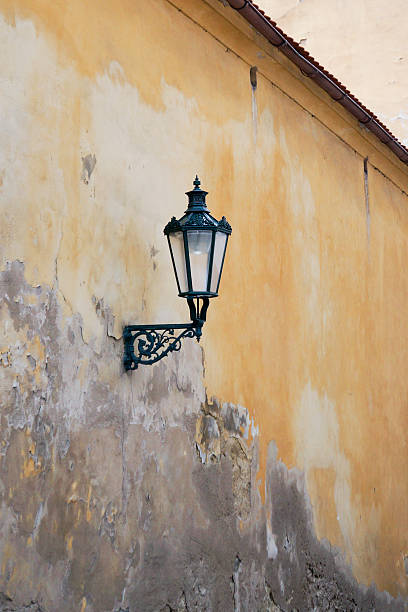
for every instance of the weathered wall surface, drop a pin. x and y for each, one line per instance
(363, 43)
(266, 468)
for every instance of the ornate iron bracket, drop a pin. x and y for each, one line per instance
(147, 344)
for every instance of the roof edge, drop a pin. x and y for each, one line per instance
(310, 68)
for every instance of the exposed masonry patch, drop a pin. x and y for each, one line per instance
(222, 432)
(181, 605)
(310, 573)
(235, 584)
(88, 166)
(132, 493)
(153, 253)
(6, 605)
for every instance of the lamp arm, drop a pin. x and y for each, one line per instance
(156, 341)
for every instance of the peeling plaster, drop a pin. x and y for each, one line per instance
(88, 166)
(67, 513)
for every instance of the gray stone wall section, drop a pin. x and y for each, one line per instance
(140, 494)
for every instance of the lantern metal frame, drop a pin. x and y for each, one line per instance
(147, 344)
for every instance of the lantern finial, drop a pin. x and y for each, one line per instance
(196, 197)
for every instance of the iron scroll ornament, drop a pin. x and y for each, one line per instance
(147, 344)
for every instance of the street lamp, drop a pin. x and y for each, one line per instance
(197, 243)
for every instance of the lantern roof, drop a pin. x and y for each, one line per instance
(196, 197)
(197, 216)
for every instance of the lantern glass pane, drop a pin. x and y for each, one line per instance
(199, 246)
(219, 249)
(177, 247)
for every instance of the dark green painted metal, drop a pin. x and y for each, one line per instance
(174, 265)
(156, 341)
(153, 342)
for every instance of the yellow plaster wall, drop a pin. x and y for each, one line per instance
(309, 332)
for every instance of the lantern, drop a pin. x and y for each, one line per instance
(197, 243)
